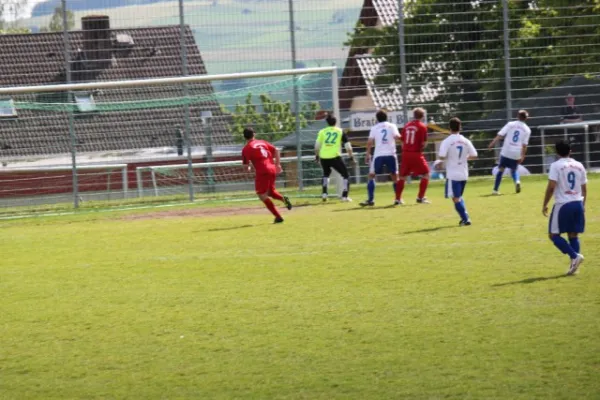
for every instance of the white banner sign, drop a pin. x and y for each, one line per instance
(364, 121)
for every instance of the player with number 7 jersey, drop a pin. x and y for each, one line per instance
(457, 150)
(261, 153)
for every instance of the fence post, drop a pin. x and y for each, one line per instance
(72, 136)
(402, 51)
(507, 82)
(296, 96)
(186, 131)
(207, 123)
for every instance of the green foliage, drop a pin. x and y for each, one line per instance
(56, 23)
(10, 31)
(336, 303)
(465, 37)
(13, 9)
(272, 119)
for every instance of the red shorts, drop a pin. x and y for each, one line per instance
(265, 183)
(413, 164)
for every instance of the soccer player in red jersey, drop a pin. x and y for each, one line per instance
(414, 141)
(261, 153)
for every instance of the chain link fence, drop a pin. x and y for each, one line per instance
(479, 60)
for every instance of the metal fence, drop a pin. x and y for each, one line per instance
(479, 60)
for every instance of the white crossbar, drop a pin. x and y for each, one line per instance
(161, 81)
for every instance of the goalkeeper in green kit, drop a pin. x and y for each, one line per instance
(328, 150)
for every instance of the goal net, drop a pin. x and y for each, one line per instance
(178, 137)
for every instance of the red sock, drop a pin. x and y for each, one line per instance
(276, 195)
(269, 204)
(399, 189)
(423, 187)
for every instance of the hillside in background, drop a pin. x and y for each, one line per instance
(48, 7)
(235, 35)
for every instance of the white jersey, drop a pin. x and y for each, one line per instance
(569, 176)
(457, 149)
(384, 134)
(516, 135)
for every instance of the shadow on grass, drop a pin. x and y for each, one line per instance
(229, 228)
(434, 229)
(497, 195)
(368, 208)
(532, 280)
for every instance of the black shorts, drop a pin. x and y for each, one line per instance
(334, 163)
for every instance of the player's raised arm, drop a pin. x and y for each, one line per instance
(443, 152)
(472, 151)
(348, 146)
(548, 195)
(318, 144)
(370, 144)
(499, 136)
(552, 179)
(245, 161)
(277, 156)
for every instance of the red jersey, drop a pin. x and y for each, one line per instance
(260, 153)
(414, 135)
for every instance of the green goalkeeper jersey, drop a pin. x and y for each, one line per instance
(331, 140)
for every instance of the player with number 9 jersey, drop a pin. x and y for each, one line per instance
(567, 181)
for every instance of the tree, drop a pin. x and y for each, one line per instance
(457, 49)
(272, 119)
(56, 22)
(11, 10)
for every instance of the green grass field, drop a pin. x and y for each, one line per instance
(338, 302)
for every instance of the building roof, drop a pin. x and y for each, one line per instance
(389, 97)
(546, 107)
(387, 10)
(361, 68)
(38, 59)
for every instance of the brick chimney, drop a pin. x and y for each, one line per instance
(97, 43)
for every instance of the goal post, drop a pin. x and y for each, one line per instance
(165, 179)
(190, 120)
(27, 185)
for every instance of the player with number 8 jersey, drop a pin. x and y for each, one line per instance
(516, 138)
(261, 153)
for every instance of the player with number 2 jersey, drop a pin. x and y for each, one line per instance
(383, 136)
(261, 153)
(516, 138)
(414, 140)
(567, 182)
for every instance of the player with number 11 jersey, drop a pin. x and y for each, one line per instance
(414, 141)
